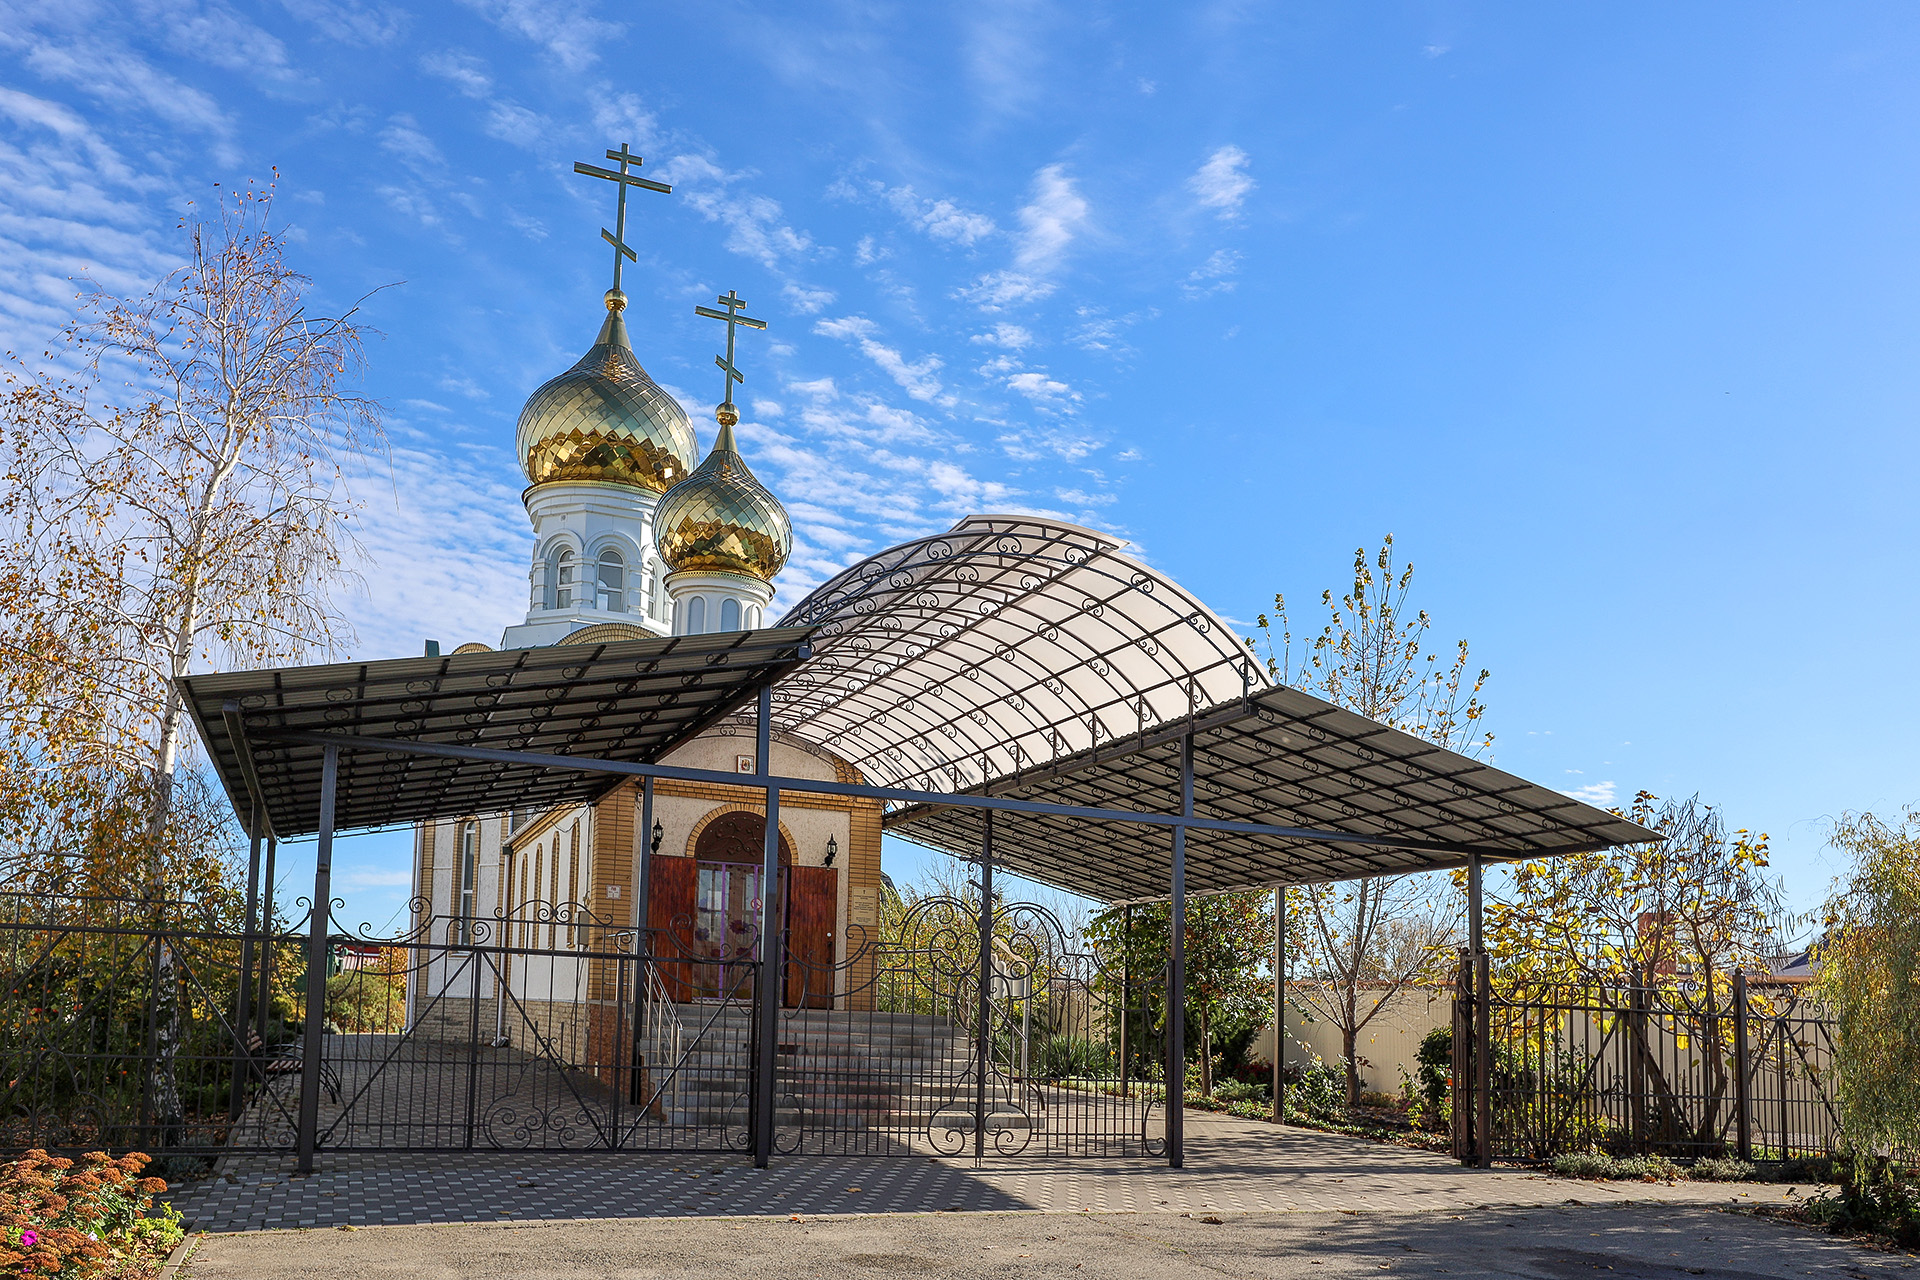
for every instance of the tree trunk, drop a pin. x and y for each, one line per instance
(1347, 1038)
(1206, 1053)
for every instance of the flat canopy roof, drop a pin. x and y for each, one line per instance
(1282, 758)
(626, 700)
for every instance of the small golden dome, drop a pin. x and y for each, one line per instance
(722, 520)
(605, 633)
(604, 419)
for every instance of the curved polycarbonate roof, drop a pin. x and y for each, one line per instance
(1006, 643)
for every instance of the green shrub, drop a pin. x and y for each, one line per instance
(1060, 1056)
(1238, 1091)
(1320, 1094)
(1722, 1169)
(1434, 1077)
(1584, 1164)
(1598, 1164)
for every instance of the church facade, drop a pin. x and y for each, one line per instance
(636, 535)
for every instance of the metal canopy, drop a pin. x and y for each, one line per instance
(1279, 757)
(1005, 643)
(628, 700)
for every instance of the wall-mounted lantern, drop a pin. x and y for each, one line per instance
(833, 851)
(659, 834)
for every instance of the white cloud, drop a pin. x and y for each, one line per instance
(349, 21)
(1215, 275)
(466, 73)
(120, 78)
(511, 122)
(1011, 336)
(1081, 498)
(561, 28)
(402, 137)
(375, 878)
(1600, 794)
(621, 116)
(939, 219)
(916, 377)
(1222, 183)
(754, 225)
(413, 203)
(1041, 389)
(998, 290)
(865, 254)
(965, 494)
(805, 299)
(1050, 221)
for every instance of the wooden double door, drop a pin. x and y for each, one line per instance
(711, 907)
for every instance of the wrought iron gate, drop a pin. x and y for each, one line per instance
(554, 1030)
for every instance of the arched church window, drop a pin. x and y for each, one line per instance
(467, 886)
(729, 615)
(660, 609)
(753, 617)
(697, 616)
(563, 578)
(613, 582)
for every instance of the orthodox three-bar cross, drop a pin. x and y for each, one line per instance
(732, 302)
(618, 236)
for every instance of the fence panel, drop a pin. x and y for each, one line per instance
(1655, 1070)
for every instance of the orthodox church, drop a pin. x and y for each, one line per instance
(635, 536)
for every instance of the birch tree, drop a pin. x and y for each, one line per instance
(175, 499)
(1359, 943)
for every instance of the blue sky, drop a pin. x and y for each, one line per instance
(1606, 312)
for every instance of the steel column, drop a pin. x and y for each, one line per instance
(243, 1011)
(1126, 996)
(983, 1028)
(1177, 973)
(265, 1003)
(316, 1019)
(767, 990)
(642, 942)
(1482, 1012)
(1742, 1079)
(1279, 1002)
(1475, 941)
(1483, 1061)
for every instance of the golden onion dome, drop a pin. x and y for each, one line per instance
(604, 419)
(722, 520)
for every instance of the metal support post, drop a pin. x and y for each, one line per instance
(264, 1004)
(1279, 1003)
(1482, 1008)
(311, 1052)
(1475, 939)
(243, 996)
(1482, 1062)
(642, 945)
(767, 989)
(983, 1026)
(1177, 973)
(1742, 1076)
(1126, 994)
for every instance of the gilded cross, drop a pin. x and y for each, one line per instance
(732, 302)
(624, 179)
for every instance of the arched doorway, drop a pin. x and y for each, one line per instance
(727, 900)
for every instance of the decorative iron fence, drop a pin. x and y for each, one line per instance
(119, 1022)
(1548, 1069)
(124, 1025)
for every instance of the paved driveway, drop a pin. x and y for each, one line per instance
(1233, 1166)
(1622, 1241)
